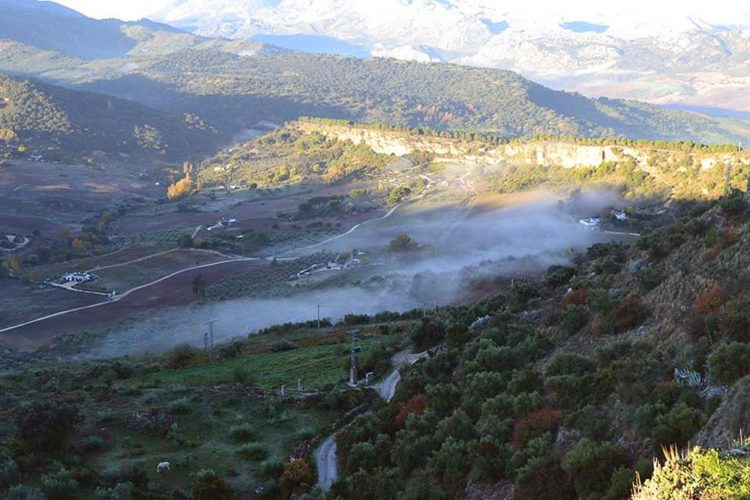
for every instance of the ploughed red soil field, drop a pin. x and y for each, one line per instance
(174, 291)
(20, 303)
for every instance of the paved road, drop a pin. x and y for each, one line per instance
(387, 388)
(325, 457)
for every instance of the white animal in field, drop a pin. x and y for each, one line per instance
(163, 467)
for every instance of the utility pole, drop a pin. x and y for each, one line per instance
(318, 316)
(728, 179)
(210, 339)
(353, 360)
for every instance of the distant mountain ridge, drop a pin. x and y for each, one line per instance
(235, 84)
(52, 27)
(663, 53)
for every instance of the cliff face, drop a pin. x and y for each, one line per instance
(559, 153)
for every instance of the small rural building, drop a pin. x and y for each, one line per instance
(590, 223)
(78, 277)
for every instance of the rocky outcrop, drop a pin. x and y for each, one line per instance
(730, 420)
(559, 153)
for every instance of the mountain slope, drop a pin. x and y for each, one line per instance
(692, 54)
(54, 121)
(226, 88)
(52, 27)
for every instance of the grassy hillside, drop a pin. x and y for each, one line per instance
(54, 121)
(567, 386)
(571, 384)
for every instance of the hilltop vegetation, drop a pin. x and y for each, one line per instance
(289, 156)
(412, 94)
(330, 151)
(56, 122)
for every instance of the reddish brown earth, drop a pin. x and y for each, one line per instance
(251, 214)
(19, 302)
(175, 291)
(49, 197)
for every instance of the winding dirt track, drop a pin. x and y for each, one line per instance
(169, 291)
(35, 333)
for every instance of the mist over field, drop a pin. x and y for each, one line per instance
(458, 245)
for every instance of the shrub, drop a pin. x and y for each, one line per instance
(676, 426)
(9, 473)
(59, 485)
(403, 243)
(282, 346)
(629, 314)
(427, 334)
(21, 492)
(241, 433)
(710, 300)
(570, 364)
(46, 426)
(733, 205)
(650, 278)
(559, 275)
(271, 467)
(184, 356)
(121, 491)
(729, 362)
(696, 474)
(243, 376)
(296, 477)
(209, 486)
(253, 451)
(543, 478)
(417, 404)
(577, 297)
(181, 406)
(533, 425)
(590, 466)
(573, 319)
(92, 443)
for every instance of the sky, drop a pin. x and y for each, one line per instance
(717, 11)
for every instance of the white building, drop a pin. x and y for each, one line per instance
(78, 277)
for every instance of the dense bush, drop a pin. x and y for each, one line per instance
(242, 433)
(184, 356)
(729, 362)
(9, 473)
(677, 426)
(46, 426)
(573, 319)
(559, 275)
(210, 486)
(427, 334)
(22, 492)
(59, 485)
(590, 466)
(253, 451)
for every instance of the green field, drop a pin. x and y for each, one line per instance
(316, 366)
